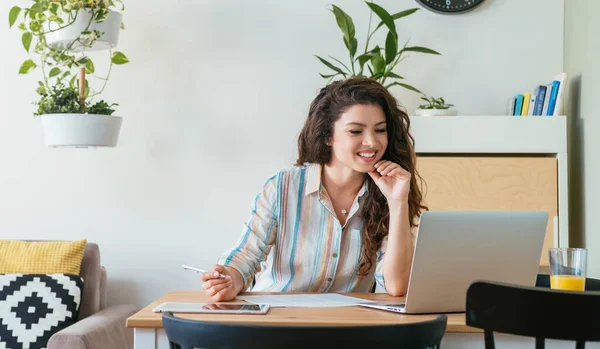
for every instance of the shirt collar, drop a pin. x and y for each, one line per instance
(313, 180)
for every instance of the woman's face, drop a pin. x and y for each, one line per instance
(359, 138)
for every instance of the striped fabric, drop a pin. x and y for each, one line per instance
(294, 242)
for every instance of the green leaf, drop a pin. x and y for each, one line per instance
(400, 15)
(89, 67)
(54, 72)
(119, 58)
(405, 86)
(344, 21)
(352, 46)
(123, 25)
(331, 66)
(420, 49)
(27, 67)
(385, 17)
(13, 15)
(72, 81)
(377, 62)
(83, 61)
(328, 76)
(391, 48)
(26, 40)
(393, 75)
(22, 26)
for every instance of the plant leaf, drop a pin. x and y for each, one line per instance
(344, 21)
(27, 67)
(399, 15)
(54, 72)
(393, 75)
(328, 76)
(352, 46)
(391, 48)
(119, 58)
(385, 17)
(89, 67)
(405, 86)
(331, 66)
(13, 15)
(26, 40)
(420, 49)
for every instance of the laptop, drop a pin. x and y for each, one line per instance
(455, 248)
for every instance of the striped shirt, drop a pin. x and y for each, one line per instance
(293, 240)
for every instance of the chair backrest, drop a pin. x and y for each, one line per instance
(533, 312)
(188, 334)
(543, 280)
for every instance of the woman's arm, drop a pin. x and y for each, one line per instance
(399, 251)
(394, 258)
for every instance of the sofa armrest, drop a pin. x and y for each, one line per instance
(104, 329)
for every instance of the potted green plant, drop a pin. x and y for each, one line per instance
(435, 107)
(376, 62)
(61, 32)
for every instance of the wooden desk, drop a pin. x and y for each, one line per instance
(149, 334)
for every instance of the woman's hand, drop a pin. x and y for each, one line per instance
(392, 180)
(222, 289)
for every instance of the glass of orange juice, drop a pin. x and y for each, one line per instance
(568, 268)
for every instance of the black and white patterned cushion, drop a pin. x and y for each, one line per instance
(35, 306)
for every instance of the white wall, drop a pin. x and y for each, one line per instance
(581, 63)
(213, 100)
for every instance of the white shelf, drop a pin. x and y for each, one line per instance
(489, 134)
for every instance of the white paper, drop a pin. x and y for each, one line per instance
(305, 300)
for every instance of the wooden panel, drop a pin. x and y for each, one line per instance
(492, 183)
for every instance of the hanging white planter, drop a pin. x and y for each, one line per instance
(435, 112)
(62, 38)
(81, 130)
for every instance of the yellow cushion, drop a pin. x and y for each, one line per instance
(41, 257)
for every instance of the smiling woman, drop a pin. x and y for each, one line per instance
(340, 219)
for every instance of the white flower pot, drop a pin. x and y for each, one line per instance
(111, 26)
(435, 112)
(81, 130)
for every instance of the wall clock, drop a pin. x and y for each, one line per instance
(450, 6)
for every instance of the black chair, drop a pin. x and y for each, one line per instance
(187, 334)
(533, 312)
(543, 280)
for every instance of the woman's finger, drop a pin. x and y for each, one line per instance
(223, 295)
(215, 289)
(388, 168)
(210, 283)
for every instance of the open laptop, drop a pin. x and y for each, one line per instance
(455, 248)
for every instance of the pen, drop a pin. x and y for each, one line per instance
(200, 270)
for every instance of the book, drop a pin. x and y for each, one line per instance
(532, 102)
(526, 100)
(562, 79)
(511, 106)
(518, 104)
(546, 99)
(553, 94)
(539, 102)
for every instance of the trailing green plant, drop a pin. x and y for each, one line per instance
(60, 64)
(434, 103)
(379, 61)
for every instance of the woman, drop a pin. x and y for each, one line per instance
(343, 215)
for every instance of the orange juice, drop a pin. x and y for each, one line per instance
(567, 282)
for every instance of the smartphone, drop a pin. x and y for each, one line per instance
(213, 308)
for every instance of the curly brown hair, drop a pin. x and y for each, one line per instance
(331, 102)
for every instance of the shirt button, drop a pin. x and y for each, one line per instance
(335, 255)
(329, 279)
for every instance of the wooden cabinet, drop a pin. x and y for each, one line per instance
(492, 183)
(496, 163)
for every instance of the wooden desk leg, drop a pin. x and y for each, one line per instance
(144, 338)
